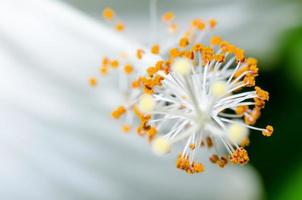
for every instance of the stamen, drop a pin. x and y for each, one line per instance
(108, 14)
(120, 27)
(128, 69)
(155, 49)
(268, 131)
(92, 81)
(168, 17)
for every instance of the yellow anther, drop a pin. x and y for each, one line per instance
(105, 61)
(148, 91)
(120, 27)
(151, 71)
(173, 28)
(128, 69)
(192, 146)
(118, 112)
(260, 103)
(151, 133)
(209, 142)
(212, 23)
(268, 131)
(155, 49)
(159, 65)
(249, 81)
(183, 42)
(254, 70)
(239, 54)
(126, 128)
(222, 161)
(225, 46)
(197, 47)
(108, 13)
(158, 79)
(92, 81)
(251, 61)
(199, 24)
(239, 156)
(136, 84)
(262, 94)
(214, 158)
(219, 58)
(240, 110)
(114, 64)
(198, 167)
(207, 54)
(183, 163)
(140, 53)
(174, 52)
(168, 17)
(103, 70)
(215, 40)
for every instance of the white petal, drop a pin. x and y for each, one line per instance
(57, 140)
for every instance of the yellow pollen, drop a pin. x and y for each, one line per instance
(118, 112)
(268, 131)
(126, 128)
(214, 158)
(173, 28)
(92, 81)
(183, 42)
(128, 69)
(174, 52)
(239, 54)
(249, 81)
(192, 146)
(105, 61)
(215, 40)
(239, 156)
(221, 162)
(103, 70)
(262, 94)
(108, 14)
(151, 71)
(120, 27)
(151, 133)
(212, 23)
(139, 54)
(251, 61)
(199, 24)
(155, 49)
(168, 17)
(136, 84)
(219, 58)
(114, 64)
(240, 110)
